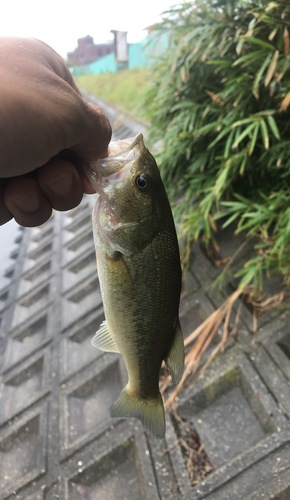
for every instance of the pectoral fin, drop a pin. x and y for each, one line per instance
(175, 358)
(103, 339)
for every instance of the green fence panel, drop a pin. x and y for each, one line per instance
(145, 52)
(140, 55)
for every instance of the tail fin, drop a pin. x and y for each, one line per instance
(149, 411)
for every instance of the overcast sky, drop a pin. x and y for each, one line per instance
(61, 22)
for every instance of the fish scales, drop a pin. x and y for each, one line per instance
(140, 277)
(150, 333)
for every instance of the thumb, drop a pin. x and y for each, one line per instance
(97, 132)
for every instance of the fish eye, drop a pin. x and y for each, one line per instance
(143, 182)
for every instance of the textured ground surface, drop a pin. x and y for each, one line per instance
(56, 437)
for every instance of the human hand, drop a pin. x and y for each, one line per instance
(47, 132)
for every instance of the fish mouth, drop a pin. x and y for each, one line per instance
(121, 153)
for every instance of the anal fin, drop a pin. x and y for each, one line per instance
(103, 339)
(175, 358)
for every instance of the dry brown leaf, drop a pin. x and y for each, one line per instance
(286, 40)
(266, 304)
(203, 336)
(285, 103)
(215, 97)
(271, 68)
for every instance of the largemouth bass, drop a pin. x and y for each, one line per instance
(140, 277)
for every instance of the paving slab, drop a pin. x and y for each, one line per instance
(228, 436)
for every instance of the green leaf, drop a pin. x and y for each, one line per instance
(242, 135)
(259, 75)
(259, 42)
(222, 134)
(229, 144)
(273, 126)
(254, 138)
(216, 97)
(265, 134)
(249, 58)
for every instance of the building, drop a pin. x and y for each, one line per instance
(87, 51)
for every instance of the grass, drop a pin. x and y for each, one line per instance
(125, 89)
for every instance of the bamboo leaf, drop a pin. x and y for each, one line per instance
(242, 122)
(259, 76)
(259, 42)
(229, 145)
(285, 102)
(249, 58)
(239, 46)
(225, 129)
(220, 136)
(272, 124)
(223, 63)
(254, 139)
(273, 34)
(286, 41)
(272, 68)
(244, 134)
(265, 135)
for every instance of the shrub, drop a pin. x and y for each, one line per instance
(220, 102)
